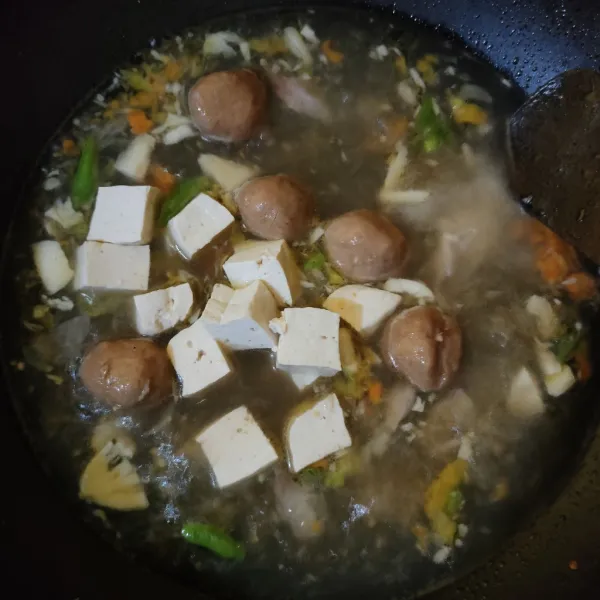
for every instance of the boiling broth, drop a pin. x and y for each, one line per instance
(370, 531)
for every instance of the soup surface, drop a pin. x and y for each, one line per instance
(282, 320)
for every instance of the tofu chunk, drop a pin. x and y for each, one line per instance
(52, 265)
(228, 174)
(216, 305)
(236, 447)
(363, 308)
(124, 214)
(525, 398)
(162, 310)
(315, 433)
(198, 224)
(243, 323)
(197, 359)
(134, 161)
(310, 342)
(103, 266)
(271, 262)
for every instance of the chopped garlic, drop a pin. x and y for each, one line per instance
(63, 213)
(407, 93)
(546, 320)
(222, 43)
(559, 383)
(409, 287)
(391, 197)
(309, 35)
(397, 167)
(64, 303)
(442, 555)
(414, 74)
(316, 234)
(296, 45)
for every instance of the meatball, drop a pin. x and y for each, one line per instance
(424, 345)
(228, 105)
(275, 207)
(365, 246)
(124, 373)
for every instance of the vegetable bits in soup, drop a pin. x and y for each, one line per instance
(286, 316)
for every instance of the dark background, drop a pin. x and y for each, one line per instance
(52, 53)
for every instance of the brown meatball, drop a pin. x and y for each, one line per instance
(275, 207)
(424, 345)
(124, 373)
(365, 246)
(228, 105)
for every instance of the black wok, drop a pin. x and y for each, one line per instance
(53, 55)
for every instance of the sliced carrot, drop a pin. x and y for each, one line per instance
(333, 56)
(69, 147)
(582, 361)
(580, 286)
(161, 178)
(396, 129)
(375, 391)
(552, 265)
(173, 71)
(139, 122)
(143, 100)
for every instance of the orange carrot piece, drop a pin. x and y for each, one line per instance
(69, 147)
(139, 122)
(375, 391)
(580, 286)
(333, 56)
(552, 265)
(397, 128)
(582, 361)
(173, 71)
(143, 100)
(161, 178)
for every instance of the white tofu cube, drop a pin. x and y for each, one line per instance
(134, 161)
(243, 323)
(228, 174)
(216, 305)
(236, 447)
(197, 359)
(52, 265)
(525, 398)
(162, 310)
(124, 214)
(310, 341)
(198, 224)
(271, 262)
(112, 267)
(363, 308)
(315, 433)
